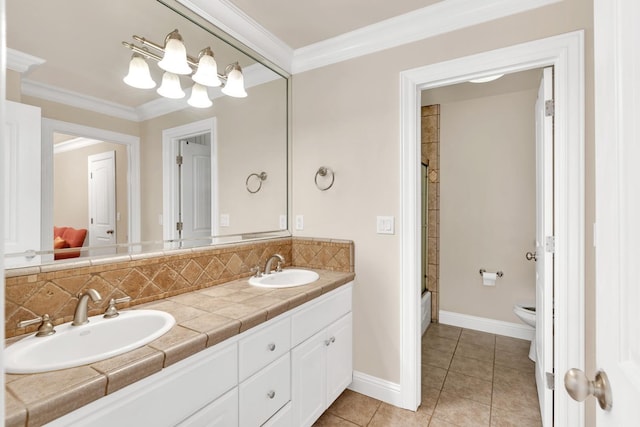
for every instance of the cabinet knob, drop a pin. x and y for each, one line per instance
(330, 341)
(271, 347)
(271, 394)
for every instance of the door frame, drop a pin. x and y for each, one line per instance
(49, 127)
(566, 54)
(170, 149)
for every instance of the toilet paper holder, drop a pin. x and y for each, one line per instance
(498, 273)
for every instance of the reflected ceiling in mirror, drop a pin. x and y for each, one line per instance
(189, 172)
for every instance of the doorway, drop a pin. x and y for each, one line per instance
(565, 54)
(190, 179)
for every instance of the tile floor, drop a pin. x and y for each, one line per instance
(469, 378)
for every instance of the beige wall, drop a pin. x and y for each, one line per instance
(487, 203)
(71, 192)
(347, 116)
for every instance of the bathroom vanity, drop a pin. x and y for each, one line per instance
(283, 371)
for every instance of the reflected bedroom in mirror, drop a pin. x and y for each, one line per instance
(137, 127)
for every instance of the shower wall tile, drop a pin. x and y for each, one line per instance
(52, 289)
(430, 144)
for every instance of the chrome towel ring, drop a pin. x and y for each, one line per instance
(255, 187)
(324, 171)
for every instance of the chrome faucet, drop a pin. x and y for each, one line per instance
(80, 316)
(267, 266)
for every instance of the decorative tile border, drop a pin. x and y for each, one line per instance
(52, 288)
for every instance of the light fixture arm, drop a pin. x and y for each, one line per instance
(147, 54)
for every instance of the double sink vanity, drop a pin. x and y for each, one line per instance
(274, 350)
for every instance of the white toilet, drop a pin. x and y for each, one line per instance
(527, 313)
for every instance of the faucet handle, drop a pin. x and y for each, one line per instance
(112, 311)
(45, 329)
(257, 272)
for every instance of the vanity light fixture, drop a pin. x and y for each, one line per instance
(175, 62)
(139, 75)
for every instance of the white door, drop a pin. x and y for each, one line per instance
(21, 145)
(309, 379)
(617, 109)
(544, 256)
(102, 200)
(195, 178)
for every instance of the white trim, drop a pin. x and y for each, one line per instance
(425, 312)
(566, 53)
(230, 19)
(498, 327)
(78, 100)
(375, 387)
(49, 126)
(22, 62)
(429, 21)
(74, 144)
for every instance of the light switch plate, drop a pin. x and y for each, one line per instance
(299, 222)
(385, 225)
(224, 220)
(283, 222)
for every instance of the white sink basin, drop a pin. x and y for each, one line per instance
(285, 279)
(79, 345)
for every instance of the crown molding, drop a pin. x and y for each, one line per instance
(22, 62)
(230, 19)
(430, 21)
(79, 100)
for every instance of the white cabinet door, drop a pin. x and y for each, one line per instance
(308, 370)
(222, 412)
(339, 357)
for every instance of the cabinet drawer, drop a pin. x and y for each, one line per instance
(283, 418)
(263, 394)
(222, 412)
(310, 320)
(263, 347)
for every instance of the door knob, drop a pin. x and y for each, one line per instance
(531, 256)
(579, 387)
(109, 231)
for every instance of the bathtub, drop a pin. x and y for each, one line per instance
(425, 309)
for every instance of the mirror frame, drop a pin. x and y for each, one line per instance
(134, 246)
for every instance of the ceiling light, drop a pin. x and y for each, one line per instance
(487, 79)
(207, 73)
(139, 75)
(170, 87)
(199, 97)
(235, 82)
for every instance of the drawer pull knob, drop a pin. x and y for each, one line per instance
(271, 347)
(330, 341)
(271, 394)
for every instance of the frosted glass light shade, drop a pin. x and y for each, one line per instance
(175, 57)
(235, 83)
(207, 73)
(139, 76)
(199, 97)
(170, 87)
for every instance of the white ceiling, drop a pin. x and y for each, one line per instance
(300, 23)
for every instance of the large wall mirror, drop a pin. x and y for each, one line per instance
(138, 171)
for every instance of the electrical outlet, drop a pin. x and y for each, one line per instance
(283, 222)
(224, 220)
(385, 225)
(299, 222)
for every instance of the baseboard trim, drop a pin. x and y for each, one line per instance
(377, 388)
(483, 324)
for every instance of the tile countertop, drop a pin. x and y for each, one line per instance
(203, 318)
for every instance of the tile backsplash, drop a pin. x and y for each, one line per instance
(52, 289)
